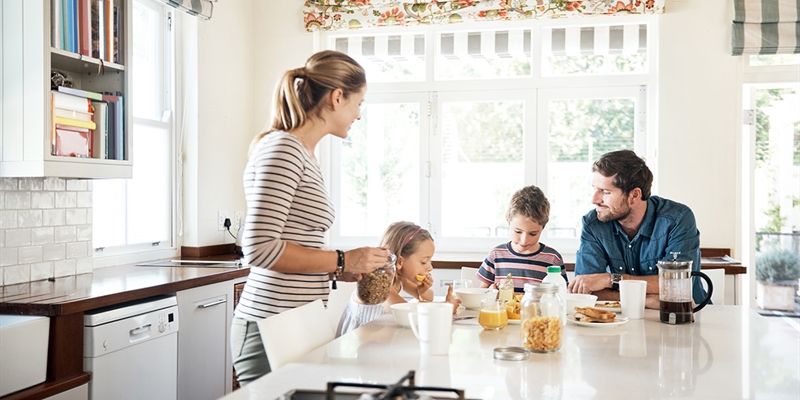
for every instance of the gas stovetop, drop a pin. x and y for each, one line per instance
(381, 392)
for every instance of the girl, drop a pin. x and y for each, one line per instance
(288, 207)
(414, 249)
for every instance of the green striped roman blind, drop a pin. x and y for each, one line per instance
(766, 27)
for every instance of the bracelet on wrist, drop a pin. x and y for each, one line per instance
(339, 267)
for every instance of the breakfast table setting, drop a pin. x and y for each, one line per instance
(728, 352)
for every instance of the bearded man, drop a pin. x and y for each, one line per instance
(629, 231)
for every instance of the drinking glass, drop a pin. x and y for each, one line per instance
(493, 314)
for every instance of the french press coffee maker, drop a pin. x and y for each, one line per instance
(675, 290)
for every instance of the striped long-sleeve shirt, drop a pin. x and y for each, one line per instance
(287, 201)
(524, 268)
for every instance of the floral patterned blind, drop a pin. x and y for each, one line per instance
(331, 15)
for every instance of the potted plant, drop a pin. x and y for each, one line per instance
(777, 274)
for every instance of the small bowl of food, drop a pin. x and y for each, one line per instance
(579, 300)
(471, 297)
(400, 312)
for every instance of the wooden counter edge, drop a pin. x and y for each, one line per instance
(730, 269)
(47, 389)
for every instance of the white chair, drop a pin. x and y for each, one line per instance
(717, 277)
(469, 273)
(337, 301)
(294, 333)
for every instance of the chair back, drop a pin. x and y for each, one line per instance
(717, 277)
(469, 273)
(294, 333)
(337, 301)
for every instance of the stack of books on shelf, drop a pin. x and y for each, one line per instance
(87, 124)
(87, 27)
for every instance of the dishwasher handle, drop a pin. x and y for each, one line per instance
(212, 304)
(137, 333)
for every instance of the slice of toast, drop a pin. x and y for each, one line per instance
(596, 314)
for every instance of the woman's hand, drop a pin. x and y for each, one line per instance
(364, 260)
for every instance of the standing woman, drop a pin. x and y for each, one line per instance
(288, 208)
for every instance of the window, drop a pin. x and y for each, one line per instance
(770, 162)
(136, 214)
(455, 121)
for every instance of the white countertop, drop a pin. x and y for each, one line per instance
(730, 352)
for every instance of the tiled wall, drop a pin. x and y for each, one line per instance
(45, 228)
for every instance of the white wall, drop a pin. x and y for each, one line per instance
(249, 44)
(699, 85)
(219, 126)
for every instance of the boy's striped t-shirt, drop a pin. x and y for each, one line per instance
(524, 268)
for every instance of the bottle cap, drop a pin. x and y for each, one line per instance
(554, 269)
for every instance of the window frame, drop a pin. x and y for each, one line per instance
(167, 246)
(536, 84)
(753, 78)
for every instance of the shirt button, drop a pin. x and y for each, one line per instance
(629, 246)
(651, 268)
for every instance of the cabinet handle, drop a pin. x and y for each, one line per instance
(213, 303)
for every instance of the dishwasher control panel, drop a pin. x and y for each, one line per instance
(167, 321)
(118, 328)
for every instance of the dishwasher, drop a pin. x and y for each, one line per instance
(131, 350)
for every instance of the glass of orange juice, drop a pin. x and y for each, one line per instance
(493, 314)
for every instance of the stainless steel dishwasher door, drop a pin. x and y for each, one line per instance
(132, 351)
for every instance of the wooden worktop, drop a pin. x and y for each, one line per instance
(106, 287)
(66, 299)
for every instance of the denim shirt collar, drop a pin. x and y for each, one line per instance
(648, 223)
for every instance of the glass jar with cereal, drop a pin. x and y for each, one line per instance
(541, 318)
(373, 288)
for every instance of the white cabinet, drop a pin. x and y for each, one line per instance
(204, 359)
(26, 61)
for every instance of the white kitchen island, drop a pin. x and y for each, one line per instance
(730, 352)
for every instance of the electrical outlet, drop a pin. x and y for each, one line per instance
(222, 216)
(238, 220)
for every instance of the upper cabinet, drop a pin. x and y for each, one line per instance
(84, 132)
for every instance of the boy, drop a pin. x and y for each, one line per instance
(523, 257)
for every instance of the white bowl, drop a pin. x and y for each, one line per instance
(471, 297)
(579, 300)
(400, 312)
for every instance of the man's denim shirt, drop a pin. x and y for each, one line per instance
(668, 227)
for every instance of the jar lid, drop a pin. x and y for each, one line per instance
(544, 287)
(511, 353)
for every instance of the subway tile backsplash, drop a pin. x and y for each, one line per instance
(45, 228)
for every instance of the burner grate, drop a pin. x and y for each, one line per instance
(394, 391)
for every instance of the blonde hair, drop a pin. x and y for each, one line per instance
(403, 239)
(300, 92)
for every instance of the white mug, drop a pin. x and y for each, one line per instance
(632, 294)
(432, 325)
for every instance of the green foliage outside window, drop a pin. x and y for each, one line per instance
(582, 130)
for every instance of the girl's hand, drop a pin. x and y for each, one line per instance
(451, 298)
(426, 284)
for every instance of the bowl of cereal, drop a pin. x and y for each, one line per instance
(400, 312)
(471, 297)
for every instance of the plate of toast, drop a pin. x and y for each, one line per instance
(613, 306)
(596, 318)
